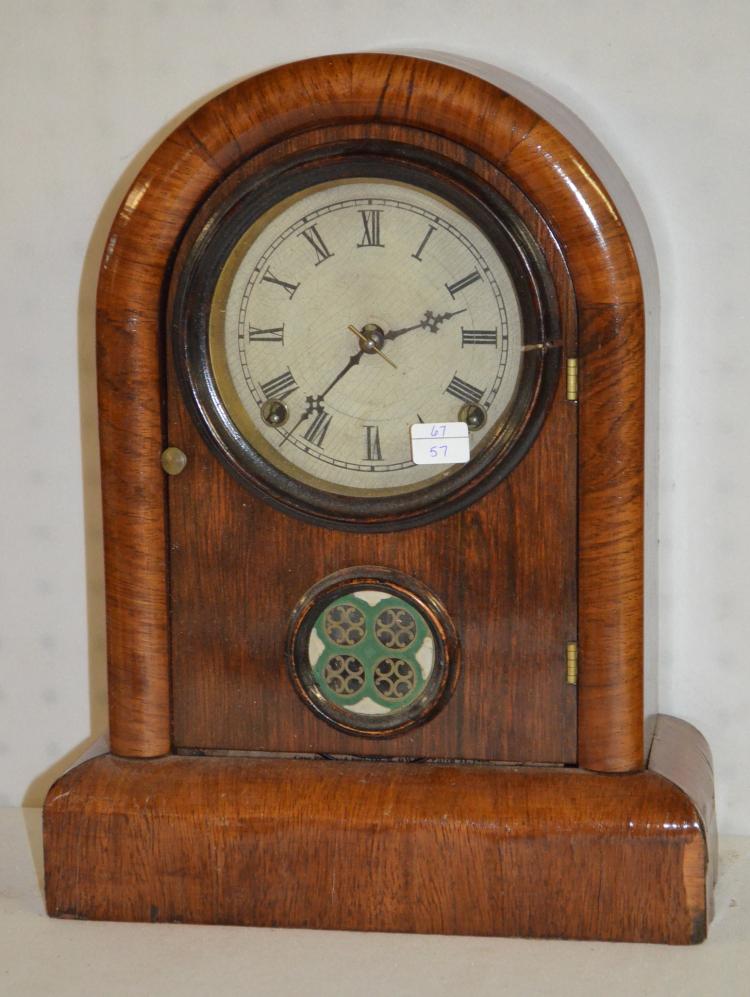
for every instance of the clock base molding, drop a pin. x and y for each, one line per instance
(390, 846)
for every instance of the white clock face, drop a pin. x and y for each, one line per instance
(352, 311)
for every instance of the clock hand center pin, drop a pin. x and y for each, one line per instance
(370, 341)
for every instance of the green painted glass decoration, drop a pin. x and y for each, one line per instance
(371, 653)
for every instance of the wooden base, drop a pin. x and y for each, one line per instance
(390, 846)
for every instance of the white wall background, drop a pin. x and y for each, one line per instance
(89, 87)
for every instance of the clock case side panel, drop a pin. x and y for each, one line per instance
(636, 224)
(176, 180)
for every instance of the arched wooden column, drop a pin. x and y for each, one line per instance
(183, 170)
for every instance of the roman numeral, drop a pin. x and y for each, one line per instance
(372, 443)
(423, 243)
(279, 387)
(318, 428)
(464, 391)
(478, 337)
(463, 283)
(265, 335)
(322, 253)
(371, 234)
(289, 288)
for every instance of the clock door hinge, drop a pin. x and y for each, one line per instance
(572, 379)
(571, 661)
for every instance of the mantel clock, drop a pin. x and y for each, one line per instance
(371, 356)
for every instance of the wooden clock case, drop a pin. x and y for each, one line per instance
(563, 812)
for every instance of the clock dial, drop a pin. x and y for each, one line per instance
(353, 311)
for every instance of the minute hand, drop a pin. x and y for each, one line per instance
(351, 362)
(430, 321)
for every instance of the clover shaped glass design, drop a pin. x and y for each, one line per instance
(371, 652)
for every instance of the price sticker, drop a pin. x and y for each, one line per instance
(440, 443)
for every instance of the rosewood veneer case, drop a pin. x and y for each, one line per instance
(530, 791)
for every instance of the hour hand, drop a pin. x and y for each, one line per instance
(430, 322)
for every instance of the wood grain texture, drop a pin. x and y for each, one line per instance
(681, 754)
(505, 568)
(131, 435)
(610, 544)
(387, 90)
(513, 604)
(483, 850)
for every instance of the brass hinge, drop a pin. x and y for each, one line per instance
(571, 659)
(572, 379)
